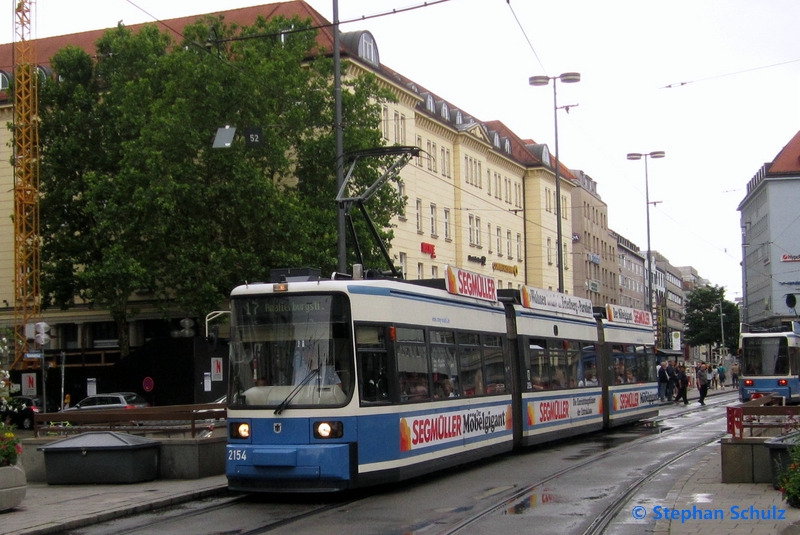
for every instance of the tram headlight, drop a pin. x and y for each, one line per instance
(328, 430)
(239, 430)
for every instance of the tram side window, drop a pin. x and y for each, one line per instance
(558, 364)
(782, 360)
(583, 367)
(538, 373)
(372, 365)
(412, 365)
(444, 365)
(469, 359)
(645, 370)
(495, 365)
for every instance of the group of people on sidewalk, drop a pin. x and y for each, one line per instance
(674, 381)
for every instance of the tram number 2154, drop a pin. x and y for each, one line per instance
(237, 455)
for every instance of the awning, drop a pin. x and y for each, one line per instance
(669, 352)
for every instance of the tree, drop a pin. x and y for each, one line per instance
(703, 322)
(135, 197)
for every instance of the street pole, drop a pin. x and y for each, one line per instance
(339, 135)
(722, 331)
(567, 78)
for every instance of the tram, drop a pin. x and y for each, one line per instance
(769, 362)
(342, 383)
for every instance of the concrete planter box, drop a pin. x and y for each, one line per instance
(779, 454)
(13, 487)
(745, 460)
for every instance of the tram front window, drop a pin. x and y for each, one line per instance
(765, 356)
(290, 351)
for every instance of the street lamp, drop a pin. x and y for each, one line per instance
(639, 156)
(567, 78)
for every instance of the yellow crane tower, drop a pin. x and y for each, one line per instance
(27, 241)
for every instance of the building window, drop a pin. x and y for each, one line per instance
(401, 192)
(420, 271)
(367, 48)
(430, 105)
(549, 252)
(442, 161)
(419, 144)
(447, 162)
(499, 241)
(396, 127)
(445, 111)
(402, 129)
(488, 182)
(478, 231)
(434, 272)
(471, 229)
(433, 157)
(519, 246)
(403, 262)
(386, 123)
(447, 223)
(419, 216)
(489, 236)
(433, 220)
(508, 243)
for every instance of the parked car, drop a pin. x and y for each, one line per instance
(20, 410)
(115, 400)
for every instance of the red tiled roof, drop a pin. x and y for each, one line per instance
(47, 47)
(788, 159)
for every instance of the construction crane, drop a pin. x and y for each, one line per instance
(27, 240)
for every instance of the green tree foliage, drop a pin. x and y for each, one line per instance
(703, 322)
(135, 197)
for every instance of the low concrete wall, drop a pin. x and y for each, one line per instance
(179, 458)
(746, 460)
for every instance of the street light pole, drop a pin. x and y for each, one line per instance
(567, 78)
(639, 156)
(722, 330)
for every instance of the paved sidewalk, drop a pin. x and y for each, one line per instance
(756, 509)
(53, 508)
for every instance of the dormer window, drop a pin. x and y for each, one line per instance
(445, 112)
(496, 140)
(508, 146)
(367, 49)
(459, 117)
(430, 104)
(4, 81)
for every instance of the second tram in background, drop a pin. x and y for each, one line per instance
(769, 362)
(342, 383)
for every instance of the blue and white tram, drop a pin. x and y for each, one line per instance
(770, 363)
(339, 384)
(419, 381)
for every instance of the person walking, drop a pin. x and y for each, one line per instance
(663, 381)
(735, 374)
(702, 382)
(722, 372)
(682, 382)
(672, 374)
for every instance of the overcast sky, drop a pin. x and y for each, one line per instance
(733, 67)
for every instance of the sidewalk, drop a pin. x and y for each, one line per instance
(752, 508)
(53, 508)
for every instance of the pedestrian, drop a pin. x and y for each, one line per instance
(672, 374)
(721, 371)
(663, 381)
(735, 374)
(702, 382)
(682, 381)
(713, 376)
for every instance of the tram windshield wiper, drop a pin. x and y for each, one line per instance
(295, 390)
